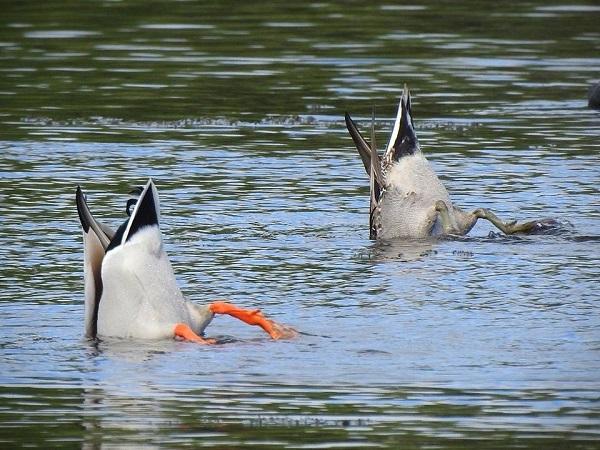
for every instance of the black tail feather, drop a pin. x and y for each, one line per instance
(88, 221)
(364, 149)
(406, 142)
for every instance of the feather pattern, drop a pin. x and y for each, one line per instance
(404, 188)
(130, 287)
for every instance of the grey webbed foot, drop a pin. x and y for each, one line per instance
(514, 227)
(542, 226)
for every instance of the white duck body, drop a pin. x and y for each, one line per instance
(141, 298)
(130, 287)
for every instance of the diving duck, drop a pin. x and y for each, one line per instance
(130, 287)
(407, 199)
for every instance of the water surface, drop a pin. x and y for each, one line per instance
(236, 111)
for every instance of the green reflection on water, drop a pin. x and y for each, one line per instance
(145, 61)
(501, 82)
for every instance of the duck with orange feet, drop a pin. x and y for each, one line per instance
(130, 286)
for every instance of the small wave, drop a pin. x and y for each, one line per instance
(334, 120)
(189, 123)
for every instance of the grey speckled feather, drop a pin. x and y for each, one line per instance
(407, 199)
(406, 188)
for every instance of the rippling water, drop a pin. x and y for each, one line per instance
(236, 110)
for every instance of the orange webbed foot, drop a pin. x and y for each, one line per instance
(254, 317)
(280, 331)
(184, 332)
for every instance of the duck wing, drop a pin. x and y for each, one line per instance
(372, 162)
(375, 187)
(96, 238)
(364, 150)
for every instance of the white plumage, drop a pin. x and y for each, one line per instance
(130, 287)
(141, 298)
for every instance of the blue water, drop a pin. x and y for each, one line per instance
(236, 112)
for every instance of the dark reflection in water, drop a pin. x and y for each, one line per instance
(236, 111)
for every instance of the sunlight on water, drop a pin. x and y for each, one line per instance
(237, 113)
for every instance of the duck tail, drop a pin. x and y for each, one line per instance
(403, 141)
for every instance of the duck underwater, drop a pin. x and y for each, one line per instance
(407, 199)
(130, 287)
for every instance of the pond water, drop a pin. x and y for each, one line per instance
(236, 111)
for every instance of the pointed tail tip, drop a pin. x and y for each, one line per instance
(149, 190)
(82, 209)
(404, 106)
(350, 124)
(79, 197)
(406, 96)
(407, 105)
(405, 91)
(348, 119)
(404, 139)
(145, 213)
(148, 187)
(78, 193)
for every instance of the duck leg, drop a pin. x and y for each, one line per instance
(254, 317)
(513, 227)
(183, 331)
(461, 222)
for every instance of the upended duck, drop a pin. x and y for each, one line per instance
(407, 199)
(130, 287)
